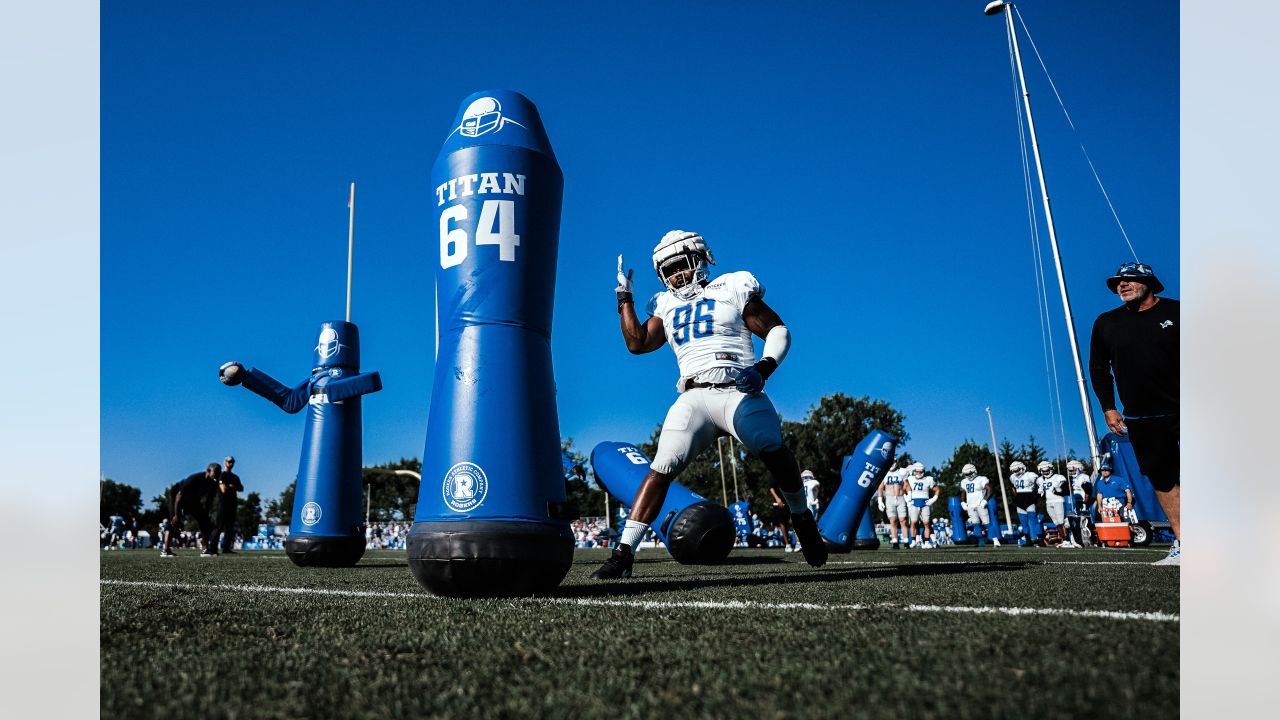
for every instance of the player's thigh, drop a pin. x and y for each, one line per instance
(925, 514)
(972, 511)
(751, 419)
(984, 515)
(1057, 512)
(913, 513)
(686, 430)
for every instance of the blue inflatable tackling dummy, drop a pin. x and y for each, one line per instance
(490, 518)
(695, 530)
(327, 527)
(859, 477)
(1125, 464)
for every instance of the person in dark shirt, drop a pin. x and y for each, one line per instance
(187, 496)
(228, 485)
(1137, 345)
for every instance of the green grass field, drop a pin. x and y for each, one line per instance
(956, 632)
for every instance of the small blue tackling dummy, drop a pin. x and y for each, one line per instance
(327, 527)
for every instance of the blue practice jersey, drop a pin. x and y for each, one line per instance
(1113, 487)
(741, 512)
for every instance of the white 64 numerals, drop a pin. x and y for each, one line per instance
(496, 224)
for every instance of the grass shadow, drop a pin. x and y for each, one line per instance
(644, 587)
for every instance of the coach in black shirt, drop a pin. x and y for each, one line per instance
(1137, 345)
(228, 485)
(187, 496)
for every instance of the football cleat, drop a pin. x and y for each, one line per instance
(811, 542)
(1174, 558)
(618, 565)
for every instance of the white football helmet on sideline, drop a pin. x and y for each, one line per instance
(1074, 467)
(969, 470)
(680, 259)
(1017, 466)
(1045, 468)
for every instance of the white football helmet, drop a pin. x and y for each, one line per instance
(1074, 467)
(680, 259)
(1017, 466)
(917, 468)
(1045, 468)
(969, 470)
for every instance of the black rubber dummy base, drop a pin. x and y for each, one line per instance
(324, 551)
(702, 534)
(490, 558)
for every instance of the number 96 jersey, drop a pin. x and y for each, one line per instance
(708, 332)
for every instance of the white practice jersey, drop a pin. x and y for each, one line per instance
(1026, 482)
(921, 487)
(895, 481)
(1078, 485)
(711, 341)
(1054, 488)
(811, 492)
(974, 488)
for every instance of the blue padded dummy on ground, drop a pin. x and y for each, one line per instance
(695, 530)
(327, 527)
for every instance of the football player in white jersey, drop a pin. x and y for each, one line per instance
(709, 324)
(977, 490)
(1026, 486)
(892, 497)
(811, 486)
(1081, 491)
(1053, 488)
(923, 492)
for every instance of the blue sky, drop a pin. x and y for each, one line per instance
(861, 159)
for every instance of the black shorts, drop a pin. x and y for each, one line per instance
(195, 509)
(1155, 443)
(781, 514)
(1025, 502)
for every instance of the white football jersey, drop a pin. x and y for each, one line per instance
(1055, 488)
(1026, 482)
(708, 334)
(1077, 485)
(811, 492)
(973, 489)
(921, 487)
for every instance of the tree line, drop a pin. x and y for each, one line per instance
(829, 431)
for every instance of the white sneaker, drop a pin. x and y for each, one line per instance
(789, 549)
(995, 542)
(1174, 557)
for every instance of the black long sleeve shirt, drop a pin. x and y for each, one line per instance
(1140, 349)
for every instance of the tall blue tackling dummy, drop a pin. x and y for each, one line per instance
(490, 518)
(859, 478)
(695, 530)
(327, 527)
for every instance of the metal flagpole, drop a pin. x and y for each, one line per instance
(1008, 520)
(733, 464)
(723, 492)
(351, 234)
(994, 8)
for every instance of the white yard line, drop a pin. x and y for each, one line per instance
(980, 564)
(669, 604)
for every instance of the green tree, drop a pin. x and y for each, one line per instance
(280, 510)
(394, 496)
(583, 496)
(117, 499)
(834, 427)
(249, 515)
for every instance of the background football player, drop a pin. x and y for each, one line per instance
(1081, 491)
(977, 490)
(923, 492)
(811, 491)
(709, 324)
(1025, 489)
(1053, 488)
(892, 497)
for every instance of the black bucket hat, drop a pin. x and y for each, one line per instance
(1140, 272)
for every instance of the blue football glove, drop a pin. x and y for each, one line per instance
(750, 381)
